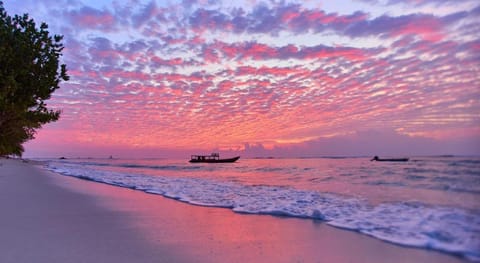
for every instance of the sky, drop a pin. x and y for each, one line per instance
(263, 78)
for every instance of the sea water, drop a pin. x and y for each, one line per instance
(427, 202)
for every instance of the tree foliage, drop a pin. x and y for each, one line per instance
(30, 72)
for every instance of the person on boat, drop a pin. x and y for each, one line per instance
(375, 158)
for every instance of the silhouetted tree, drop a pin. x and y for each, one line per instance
(29, 73)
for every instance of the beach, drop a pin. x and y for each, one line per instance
(47, 217)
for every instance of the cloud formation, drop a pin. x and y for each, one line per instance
(195, 75)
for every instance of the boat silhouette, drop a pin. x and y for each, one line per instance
(376, 158)
(212, 158)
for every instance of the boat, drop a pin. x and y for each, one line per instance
(212, 158)
(376, 158)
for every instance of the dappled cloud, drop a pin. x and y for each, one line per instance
(206, 75)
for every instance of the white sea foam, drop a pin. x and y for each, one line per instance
(415, 224)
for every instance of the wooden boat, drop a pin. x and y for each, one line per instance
(376, 158)
(212, 158)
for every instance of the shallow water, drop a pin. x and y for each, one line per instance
(428, 202)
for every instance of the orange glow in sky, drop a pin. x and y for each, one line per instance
(151, 78)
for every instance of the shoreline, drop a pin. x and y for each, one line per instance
(48, 217)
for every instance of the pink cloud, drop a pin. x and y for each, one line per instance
(293, 17)
(428, 28)
(167, 62)
(126, 75)
(260, 51)
(88, 17)
(180, 76)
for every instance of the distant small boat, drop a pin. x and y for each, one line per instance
(376, 158)
(212, 158)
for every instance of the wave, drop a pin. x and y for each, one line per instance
(131, 165)
(160, 167)
(415, 224)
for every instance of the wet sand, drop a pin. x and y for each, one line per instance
(47, 217)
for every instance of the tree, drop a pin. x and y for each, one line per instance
(30, 72)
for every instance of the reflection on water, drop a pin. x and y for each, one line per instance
(426, 202)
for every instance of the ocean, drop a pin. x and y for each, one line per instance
(427, 202)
